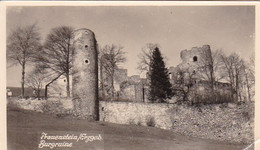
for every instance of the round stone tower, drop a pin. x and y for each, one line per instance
(85, 75)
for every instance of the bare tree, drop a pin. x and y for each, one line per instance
(111, 57)
(145, 57)
(218, 66)
(211, 67)
(249, 77)
(183, 79)
(233, 65)
(22, 43)
(35, 80)
(56, 56)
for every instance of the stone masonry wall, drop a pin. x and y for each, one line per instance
(224, 122)
(195, 57)
(135, 113)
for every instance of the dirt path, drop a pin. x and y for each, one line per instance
(25, 128)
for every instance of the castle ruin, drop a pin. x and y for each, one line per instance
(195, 70)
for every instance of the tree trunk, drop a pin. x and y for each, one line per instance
(212, 82)
(46, 86)
(232, 92)
(38, 93)
(46, 91)
(68, 85)
(237, 87)
(112, 85)
(23, 74)
(101, 78)
(248, 89)
(68, 71)
(143, 91)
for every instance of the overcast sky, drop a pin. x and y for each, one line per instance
(230, 28)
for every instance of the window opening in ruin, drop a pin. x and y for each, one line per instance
(170, 75)
(86, 61)
(64, 80)
(195, 58)
(86, 46)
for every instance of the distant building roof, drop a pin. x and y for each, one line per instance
(16, 91)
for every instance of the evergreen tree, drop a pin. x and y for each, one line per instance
(160, 86)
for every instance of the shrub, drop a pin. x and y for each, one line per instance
(13, 106)
(246, 115)
(139, 123)
(150, 121)
(54, 107)
(214, 97)
(131, 121)
(63, 115)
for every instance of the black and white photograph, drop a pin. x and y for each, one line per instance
(137, 77)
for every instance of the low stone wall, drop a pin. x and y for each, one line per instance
(136, 113)
(225, 122)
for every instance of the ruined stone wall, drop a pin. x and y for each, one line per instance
(192, 70)
(193, 61)
(58, 88)
(120, 75)
(127, 90)
(134, 90)
(135, 78)
(195, 57)
(224, 122)
(135, 113)
(139, 92)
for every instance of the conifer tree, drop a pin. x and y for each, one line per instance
(160, 86)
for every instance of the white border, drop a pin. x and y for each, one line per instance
(4, 4)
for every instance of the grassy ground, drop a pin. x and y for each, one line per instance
(24, 129)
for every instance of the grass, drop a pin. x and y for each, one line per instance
(24, 129)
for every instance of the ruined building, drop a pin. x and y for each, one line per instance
(195, 60)
(126, 88)
(134, 89)
(193, 79)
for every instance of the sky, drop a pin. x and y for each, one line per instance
(174, 28)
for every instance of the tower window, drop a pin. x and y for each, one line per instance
(86, 61)
(195, 58)
(86, 46)
(170, 75)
